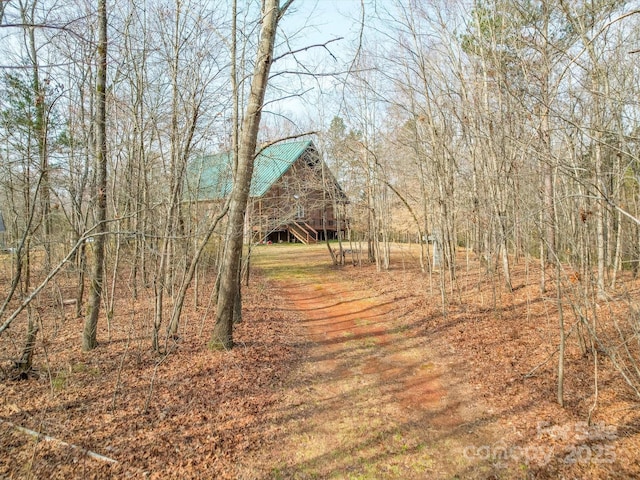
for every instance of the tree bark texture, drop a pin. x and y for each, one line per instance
(222, 337)
(89, 336)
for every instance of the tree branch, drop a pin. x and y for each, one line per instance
(283, 139)
(309, 47)
(47, 438)
(283, 9)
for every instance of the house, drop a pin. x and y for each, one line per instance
(293, 196)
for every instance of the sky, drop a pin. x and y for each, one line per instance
(325, 18)
(315, 22)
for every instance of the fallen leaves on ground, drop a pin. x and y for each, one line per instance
(197, 413)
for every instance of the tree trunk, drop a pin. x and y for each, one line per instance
(222, 337)
(179, 303)
(89, 336)
(26, 359)
(547, 167)
(40, 128)
(561, 331)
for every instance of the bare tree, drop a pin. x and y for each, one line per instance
(222, 337)
(89, 336)
(187, 98)
(27, 111)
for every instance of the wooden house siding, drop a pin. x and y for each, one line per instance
(294, 194)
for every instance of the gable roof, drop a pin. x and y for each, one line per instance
(210, 177)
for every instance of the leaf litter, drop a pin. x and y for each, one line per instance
(337, 373)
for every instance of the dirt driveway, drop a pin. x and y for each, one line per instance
(372, 398)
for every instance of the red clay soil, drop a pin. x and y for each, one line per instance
(373, 397)
(466, 394)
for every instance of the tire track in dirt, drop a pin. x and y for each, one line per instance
(371, 398)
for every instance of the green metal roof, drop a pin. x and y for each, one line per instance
(210, 177)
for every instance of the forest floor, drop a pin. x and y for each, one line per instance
(338, 372)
